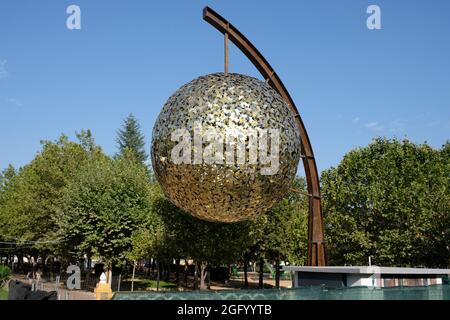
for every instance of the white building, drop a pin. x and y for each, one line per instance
(365, 276)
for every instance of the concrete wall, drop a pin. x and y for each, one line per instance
(332, 280)
(361, 280)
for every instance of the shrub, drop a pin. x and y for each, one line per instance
(5, 273)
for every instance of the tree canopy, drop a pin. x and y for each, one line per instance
(30, 197)
(390, 201)
(104, 205)
(131, 139)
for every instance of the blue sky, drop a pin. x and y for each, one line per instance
(350, 84)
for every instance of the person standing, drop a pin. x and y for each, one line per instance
(38, 276)
(30, 277)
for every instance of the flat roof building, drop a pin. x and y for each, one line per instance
(365, 276)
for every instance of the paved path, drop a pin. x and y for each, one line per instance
(63, 293)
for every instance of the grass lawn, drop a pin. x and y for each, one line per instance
(162, 284)
(3, 294)
(150, 283)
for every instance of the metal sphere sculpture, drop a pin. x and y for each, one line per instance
(225, 147)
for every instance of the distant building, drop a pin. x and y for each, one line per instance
(365, 276)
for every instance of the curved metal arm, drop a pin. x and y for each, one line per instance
(316, 246)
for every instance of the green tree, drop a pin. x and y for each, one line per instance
(281, 234)
(5, 178)
(31, 198)
(207, 243)
(131, 139)
(86, 140)
(104, 206)
(146, 240)
(389, 200)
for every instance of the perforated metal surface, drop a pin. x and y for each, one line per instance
(236, 104)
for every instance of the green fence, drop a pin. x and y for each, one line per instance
(436, 292)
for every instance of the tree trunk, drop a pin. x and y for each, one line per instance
(195, 275)
(20, 261)
(132, 277)
(261, 273)
(149, 267)
(168, 272)
(88, 272)
(185, 275)
(228, 275)
(203, 273)
(177, 271)
(109, 277)
(245, 271)
(157, 275)
(277, 274)
(208, 278)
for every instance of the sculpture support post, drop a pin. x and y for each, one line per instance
(225, 44)
(316, 245)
